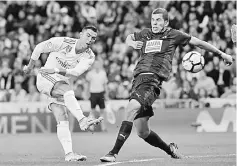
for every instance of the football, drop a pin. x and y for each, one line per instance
(193, 62)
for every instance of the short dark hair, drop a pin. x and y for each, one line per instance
(162, 11)
(91, 27)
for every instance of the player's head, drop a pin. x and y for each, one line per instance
(159, 20)
(88, 35)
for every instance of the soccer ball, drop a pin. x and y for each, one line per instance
(193, 62)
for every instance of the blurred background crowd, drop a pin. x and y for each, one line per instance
(23, 24)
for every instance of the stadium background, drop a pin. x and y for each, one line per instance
(197, 111)
(23, 24)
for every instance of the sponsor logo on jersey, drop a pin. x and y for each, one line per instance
(153, 46)
(65, 64)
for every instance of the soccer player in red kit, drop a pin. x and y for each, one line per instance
(157, 47)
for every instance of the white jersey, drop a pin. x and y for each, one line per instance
(63, 54)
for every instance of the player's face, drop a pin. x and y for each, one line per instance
(88, 37)
(157, 22)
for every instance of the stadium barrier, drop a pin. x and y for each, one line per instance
(33, 117)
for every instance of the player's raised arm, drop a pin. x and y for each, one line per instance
(84, 64)
(50, 45)
(206, 46)
(81, 67)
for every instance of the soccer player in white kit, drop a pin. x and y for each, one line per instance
(68, 58)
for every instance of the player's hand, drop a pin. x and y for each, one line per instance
(26, 69)
(47, 71)
(228, 59)
(137, 45)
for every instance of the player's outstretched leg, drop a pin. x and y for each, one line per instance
(174, 151)
(64, 136)
(86, 122)
(153, 139)
(63, 132)
(62, 89)
(124, 132)
(171, 149)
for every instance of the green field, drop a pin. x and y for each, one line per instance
(211, 149)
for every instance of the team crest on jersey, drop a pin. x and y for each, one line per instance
(153, 46)
(49, 45)
(68, 48)
(89, 52)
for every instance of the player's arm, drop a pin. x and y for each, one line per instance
(84, 64)
(206, 46)
(81, 67)
(50, 45)
(131, 41)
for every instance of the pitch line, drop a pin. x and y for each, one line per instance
(156, 159)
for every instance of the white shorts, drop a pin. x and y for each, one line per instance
(45, 84)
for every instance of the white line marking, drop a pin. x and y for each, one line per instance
(156, 159)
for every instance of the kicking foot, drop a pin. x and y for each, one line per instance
(174, 151)
(85, 122)
(110, 157)
(75, 157)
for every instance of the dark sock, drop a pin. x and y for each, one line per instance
(124, 132)
(154, 140)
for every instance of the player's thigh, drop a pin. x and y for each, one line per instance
(132, 109)
(45, 83)
(60, 88)
(142, 126)
(52, 84)
(59, 111)
(146, 89)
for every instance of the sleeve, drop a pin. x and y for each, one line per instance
(84, 64)
(50, 45)
(181, 38)
(141, 34)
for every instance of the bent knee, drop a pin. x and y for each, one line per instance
(143, 134)
(132, 109)
(61, 117)
(60, 88)
(60, 113)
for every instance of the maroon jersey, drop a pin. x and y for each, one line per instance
(158, 50)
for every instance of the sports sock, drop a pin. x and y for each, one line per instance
(72, 104)
(124, 132)
(64, 136)
(154, 140)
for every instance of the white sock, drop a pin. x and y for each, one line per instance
(72, 104)
(64, 136)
